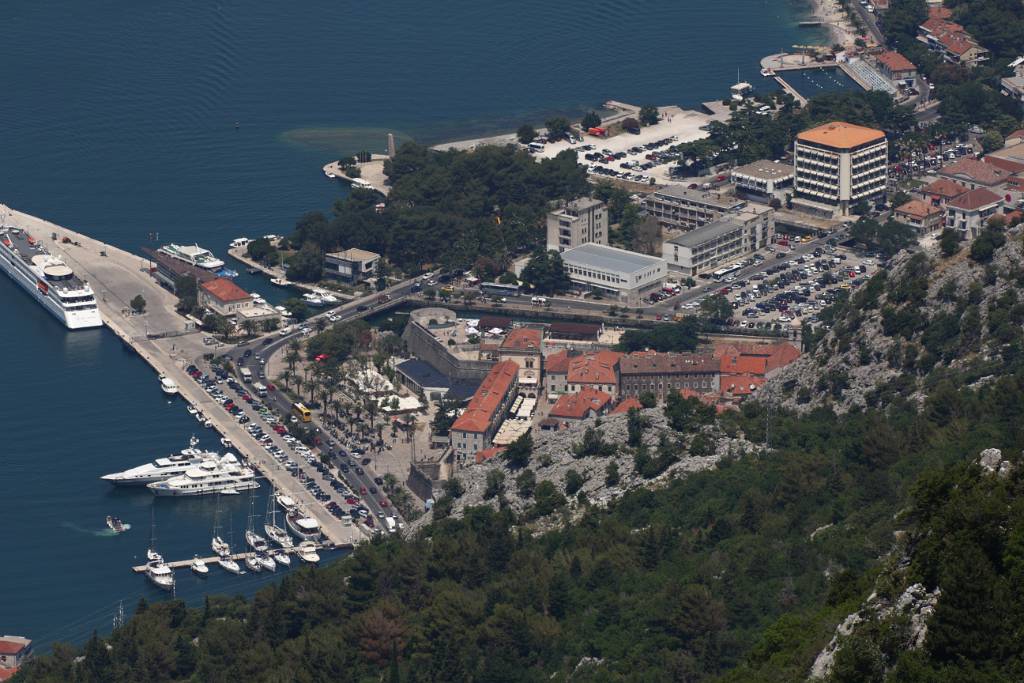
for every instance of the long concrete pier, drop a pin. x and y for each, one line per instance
(237, 557)
(168, 343)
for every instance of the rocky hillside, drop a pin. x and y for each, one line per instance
(592, 464)
(929, 316)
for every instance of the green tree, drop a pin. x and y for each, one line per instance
(648, 399)
(716, 308)
(611, 474)
(307, 265)
(990, 141)
(590, 120)
(573, 482)
(526, 134)
(138, 304)
(519, 452)
(545, 273)
(949, 242)
(558, 127)
(526, 482)
(495, 484)
(648, 115)
(188, 294)
(985, 245)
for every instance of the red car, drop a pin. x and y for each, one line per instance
(383, 502)
(362, 490)
(271, 387)
(280, 429)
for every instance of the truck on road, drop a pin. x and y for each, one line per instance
(389, 524)
(246, 374)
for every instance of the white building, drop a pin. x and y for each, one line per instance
(839, 164)
(762, 178)
(581, 221)
(720, 242)
(351, 265)
(677, 207)
(970, 212)
(617, 272)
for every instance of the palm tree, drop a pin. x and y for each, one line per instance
(292, 358)
(250, 327)
(286, 376)
(299, 383)
(320, 324)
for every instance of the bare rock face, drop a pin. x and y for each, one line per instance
(554, 456)
(992, 461)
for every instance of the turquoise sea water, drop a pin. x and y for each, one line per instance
(204, 121)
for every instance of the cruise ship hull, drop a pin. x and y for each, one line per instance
(17, 271)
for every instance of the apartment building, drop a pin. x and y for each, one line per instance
(837, 165)
(722, 241)
(762, 179)
(969, 212)
(678, 208)
(581, 221)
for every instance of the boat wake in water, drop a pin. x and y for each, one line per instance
(93, 532)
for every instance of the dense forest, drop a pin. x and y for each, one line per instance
(446, 208)
(735, 574)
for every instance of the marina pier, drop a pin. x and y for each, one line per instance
(211, 561)
(168, 343)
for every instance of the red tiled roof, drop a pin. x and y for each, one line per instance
(894, 61)
(653, 362)
(1019, 133)
(7, 674)
(944, 188)
(975, 199)
(956, 42)
(918, 209)
(1008, 165)
(488, 453)
(936, 25)
(774, 356)
(11, 647)
(223, 289)
(557, 363)
(480, 411)
(522, 339)
(577, 406)
(975, 170)
(594, 368)
(741, 385)
(743, 365)
(627, 403)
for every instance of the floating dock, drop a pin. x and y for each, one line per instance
(239, 557)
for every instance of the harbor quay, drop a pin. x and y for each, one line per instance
(168, 343)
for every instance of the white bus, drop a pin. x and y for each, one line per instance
(725, 272)
(246, 374)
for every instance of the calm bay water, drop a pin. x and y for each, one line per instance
(203, 121)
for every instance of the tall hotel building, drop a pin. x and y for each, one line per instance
(837, 165)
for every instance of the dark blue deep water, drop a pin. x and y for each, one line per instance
(119, 119)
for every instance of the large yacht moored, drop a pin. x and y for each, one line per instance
(162, 468)
(224, 475)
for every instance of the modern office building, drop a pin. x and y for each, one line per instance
(731, 237)
(837, 165)
(763, 178)
(622, 274)
(679, 208)
(351, 265)
(581, 221)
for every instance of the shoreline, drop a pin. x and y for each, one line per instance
(832, 16)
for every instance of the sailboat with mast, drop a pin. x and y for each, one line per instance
(255, 541)
(157, 571)
(270, 526)
(222, 548)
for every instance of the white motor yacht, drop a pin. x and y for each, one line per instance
(286, 502)
(193, 255)
(279, 281)
(226, 475)
(199, 567)
(160, 574)
(307, 552)
(168, 385)
(306, 528)
(162, 468)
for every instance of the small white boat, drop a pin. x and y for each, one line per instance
(281, 558)
(117, 525)
(154, 556)
(191, 410)
(226, 443)
(220, 546)
(286, 502)
(229, 565)
(208, 423)
(199, 567)
(253, 564)
(200, 418)
(266, 561)
(279, 281)
(307, 552)
(168, 386)
(160, 575)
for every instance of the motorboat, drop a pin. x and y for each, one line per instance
(266, 561)
(194, 256)
(223, 475)
(303, 526)
(281, 558)
(117, 525)
(229, 565)
(191, 410)
(153, 556)
(199, 567)
(279, 281)
(286, 502)
(226, 443)
(313, 300)
(168, 385)
(307, 552)
(160, 574)
(253, 564)
(162, 468)
(767, 72)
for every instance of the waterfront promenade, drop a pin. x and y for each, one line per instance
(167, 342)
(371, 174)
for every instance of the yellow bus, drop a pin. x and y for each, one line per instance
(302, 412)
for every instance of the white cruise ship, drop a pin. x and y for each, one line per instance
(48, 280)
(162, 468)
(225, 475)
(193, 255)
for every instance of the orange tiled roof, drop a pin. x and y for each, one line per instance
(488, 453)
(577, 406)
(594, 368)
(223, 289)
(744, 365)
(741, 385)
(1008, 165)
(479, 413)
(975, 170)
(939, 13)
(775, 355)
(894, 61)
(627, 403)
(522, 339)
(841, 135)
(557, 363)
(975, 199)
(707, 399)
(944, 188)
(918, 209)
